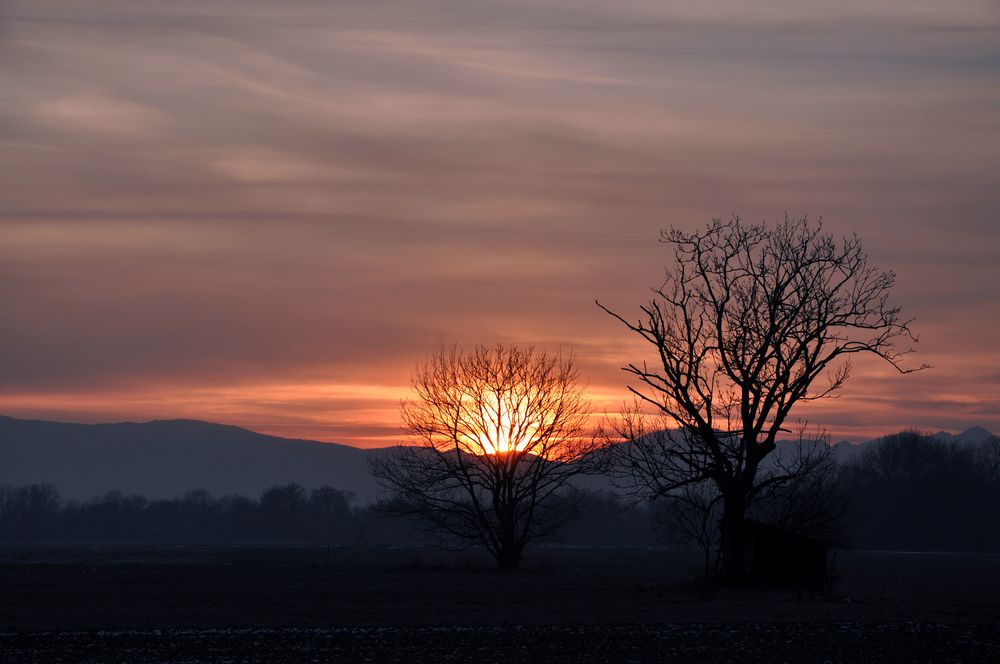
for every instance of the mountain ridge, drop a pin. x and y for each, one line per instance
(165, 458)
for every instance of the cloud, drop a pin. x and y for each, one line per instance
(261, 167)
(89, 113)
(310, 191)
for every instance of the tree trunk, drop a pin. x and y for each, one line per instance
(509, 559)
(734, 570)
(509, 554)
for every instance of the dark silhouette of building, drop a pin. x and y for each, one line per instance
(783, 559)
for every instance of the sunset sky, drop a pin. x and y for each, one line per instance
(264, 213)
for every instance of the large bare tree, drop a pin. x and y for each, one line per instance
(752, 320)
(497, 433)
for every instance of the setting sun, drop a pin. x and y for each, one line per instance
(501, 427)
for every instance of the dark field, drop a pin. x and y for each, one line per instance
(285, 604)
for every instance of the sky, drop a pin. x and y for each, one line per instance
(265, 213)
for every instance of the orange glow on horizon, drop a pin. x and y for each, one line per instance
(368, 415)
(504, 428)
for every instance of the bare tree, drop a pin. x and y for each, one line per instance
(691, 513)
(749, 319)
(498, 434)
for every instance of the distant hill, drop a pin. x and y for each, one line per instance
(162, 459)
(165, 458)
(973, 435)
(845, 451)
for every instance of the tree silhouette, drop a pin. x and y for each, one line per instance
(334, 508)
(690, 514)
(284, 508)
(499, 432)
(914, 491)
(749, 319)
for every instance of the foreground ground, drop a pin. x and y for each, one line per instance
(278, 604)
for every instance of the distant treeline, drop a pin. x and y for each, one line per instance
(913, 492)
(904, 492)
(284, 513)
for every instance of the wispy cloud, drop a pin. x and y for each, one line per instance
(313, 193)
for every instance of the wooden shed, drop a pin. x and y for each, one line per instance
(778, 558)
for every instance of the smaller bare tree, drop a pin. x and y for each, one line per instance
(691, 514)
(497, 434)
